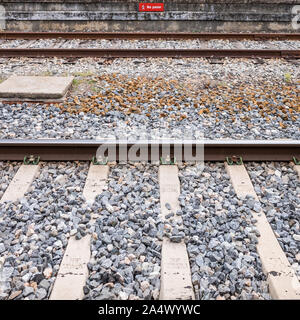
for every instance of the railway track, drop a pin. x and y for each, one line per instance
(213, 150)
(62, 48)
(171, 255)
(147, 35)
(148, 53)
(109, 230)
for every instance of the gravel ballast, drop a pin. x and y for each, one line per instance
(7, 172)
(143, 44)
(35, 230)
(236, 99)
(127, 232)
(278, 188)
(126, 246)
(221, 237)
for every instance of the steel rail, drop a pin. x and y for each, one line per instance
(148, 53)
(213, 150)
(147, 35)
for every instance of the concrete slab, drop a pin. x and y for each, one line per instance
(73, 270)
(169, 188)
(35, 87)
(20, 183)
(282, 279)
(176, 283)
(95, 182)
(27, 100)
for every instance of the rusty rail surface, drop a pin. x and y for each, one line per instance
(148, 35)
(213, 150)
(148, 53)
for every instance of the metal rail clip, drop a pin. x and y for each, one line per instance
(234, 160)
(296, 161)
(167, 161)
(31, 160)
(100, 161)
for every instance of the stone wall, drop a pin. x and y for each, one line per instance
(179, 15)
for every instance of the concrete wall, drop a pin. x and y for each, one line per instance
(135, 1)
(122, 15)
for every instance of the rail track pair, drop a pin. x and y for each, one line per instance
(147, 53)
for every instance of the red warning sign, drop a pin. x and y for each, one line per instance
(151, 7)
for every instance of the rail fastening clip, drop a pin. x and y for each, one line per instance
(167, 161)
(234, 160)
(99, 162)
(296, 161)
(31, 160)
